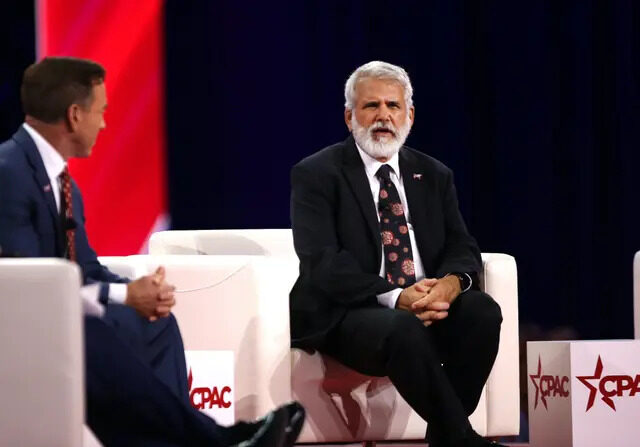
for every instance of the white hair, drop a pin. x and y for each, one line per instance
(377, 70)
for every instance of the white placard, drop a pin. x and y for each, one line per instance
(584, 393)
(211, 386)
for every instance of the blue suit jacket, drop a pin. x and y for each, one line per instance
(30, 225)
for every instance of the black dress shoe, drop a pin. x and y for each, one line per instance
(296, 415)
(270, 430)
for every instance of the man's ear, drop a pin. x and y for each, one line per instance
(412, 114)
(348, 113)
(73, 117)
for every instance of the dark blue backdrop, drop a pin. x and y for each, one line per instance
(533, 104)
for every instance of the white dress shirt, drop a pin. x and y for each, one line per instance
(54, 164)
(371, 166)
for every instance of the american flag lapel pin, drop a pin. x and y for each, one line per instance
(47, 187)
(417, 176)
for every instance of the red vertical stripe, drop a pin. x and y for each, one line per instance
(124, 180)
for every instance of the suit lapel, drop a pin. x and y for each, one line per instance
(415, 188)
(42, 179)
(353, 169)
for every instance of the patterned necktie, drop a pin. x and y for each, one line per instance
(65, 181)
(398, 257)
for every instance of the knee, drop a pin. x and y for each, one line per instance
(171, 325)
(171, 321)
(174, 329)
(492, 311)
(165, 328)
(486, 312)
(406, 331)
(166, 323)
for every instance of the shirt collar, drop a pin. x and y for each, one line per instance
(371, 165)
(54, 164)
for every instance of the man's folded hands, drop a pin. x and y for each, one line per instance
(430, 298)
(151, 296)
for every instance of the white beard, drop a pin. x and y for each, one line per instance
(385, 147)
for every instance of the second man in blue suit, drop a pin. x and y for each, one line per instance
(135, 367)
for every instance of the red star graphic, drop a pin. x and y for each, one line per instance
(537, 386)
(593, 390)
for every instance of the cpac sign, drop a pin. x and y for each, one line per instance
(584, 406)
(211, 386)
(202, 396)
(548, 386)
(609, 386)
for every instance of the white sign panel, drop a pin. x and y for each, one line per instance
(211, 386)
(584, 393)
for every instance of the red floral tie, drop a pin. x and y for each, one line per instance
(65, 180)
(394, 231)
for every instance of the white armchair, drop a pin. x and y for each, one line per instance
(341, 404)
(234, 303)
(41, 372)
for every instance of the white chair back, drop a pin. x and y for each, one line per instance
(41, 371)
(268, 242)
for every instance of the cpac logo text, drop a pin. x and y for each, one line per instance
(609, 386)
(202, 396)
(548, 386)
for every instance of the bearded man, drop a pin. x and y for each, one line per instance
(388, 279)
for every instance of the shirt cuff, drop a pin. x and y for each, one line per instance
(389, 299)
(118, 292)
(91, 300)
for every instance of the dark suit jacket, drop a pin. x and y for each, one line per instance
(337, 237)
(30, 224)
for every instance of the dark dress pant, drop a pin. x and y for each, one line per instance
(158, 344)
(129, 405)
(439, 370)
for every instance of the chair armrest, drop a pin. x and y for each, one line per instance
(89, 439)
(275, 277)
(236, 303)
(500, 280)
(41, 371)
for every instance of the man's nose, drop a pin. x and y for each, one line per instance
(384, 114)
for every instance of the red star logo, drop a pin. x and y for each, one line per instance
(593, 390)
(537, 385)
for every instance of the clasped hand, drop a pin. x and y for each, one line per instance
(430, 298)
(151, 296)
